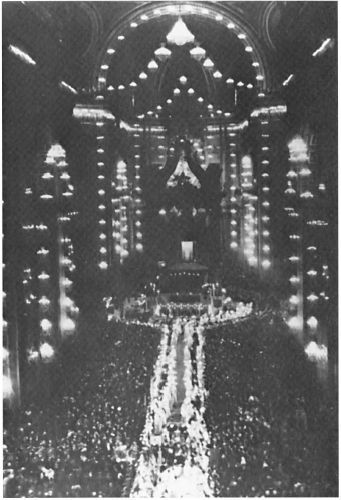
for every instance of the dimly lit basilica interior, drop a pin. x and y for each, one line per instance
(170, 252)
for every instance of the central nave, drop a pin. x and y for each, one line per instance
(175, 458)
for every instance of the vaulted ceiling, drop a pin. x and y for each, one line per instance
(286, 31)
(70, 42)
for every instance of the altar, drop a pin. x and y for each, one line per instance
(184, 278)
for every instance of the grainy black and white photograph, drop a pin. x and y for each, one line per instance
(170, 251)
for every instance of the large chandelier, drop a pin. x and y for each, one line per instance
(180, 34)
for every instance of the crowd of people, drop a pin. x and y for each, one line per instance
(264, 413)
(223, 400)
(87, 441)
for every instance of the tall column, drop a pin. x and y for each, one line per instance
(299, 194)
(92, 160)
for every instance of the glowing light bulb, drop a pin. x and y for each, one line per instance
(312, 297)
(312, 322)
(44, 276)
(312, 272)
(295, 322)
(67, 324)
(46, 351)
(46, 325)
(294, 300)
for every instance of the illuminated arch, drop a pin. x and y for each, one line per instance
(224, 15)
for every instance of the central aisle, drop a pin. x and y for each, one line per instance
(180, 370)
(175, 458)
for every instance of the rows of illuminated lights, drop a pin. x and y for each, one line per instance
(56, 188)
(197, 52)
(233, 131)
(137, 207)
(296, 180)
(263, 115)
(264, 223)
(207, 109)
(56, 173)
(250, 217)
(232, 162)
(120, 211)
(101, 192)
(161, 145)
(303, 275)
(208, 65)
(210, 151)
(326, 45)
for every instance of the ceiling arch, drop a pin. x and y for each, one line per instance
(225, 16)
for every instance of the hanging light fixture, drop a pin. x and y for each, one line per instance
(152, 65)
(198, 53)
(180, 34)
(162, 53)
(208, 63)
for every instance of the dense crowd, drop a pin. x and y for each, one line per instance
(264, 413)
(86, 442)
(249, 415)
